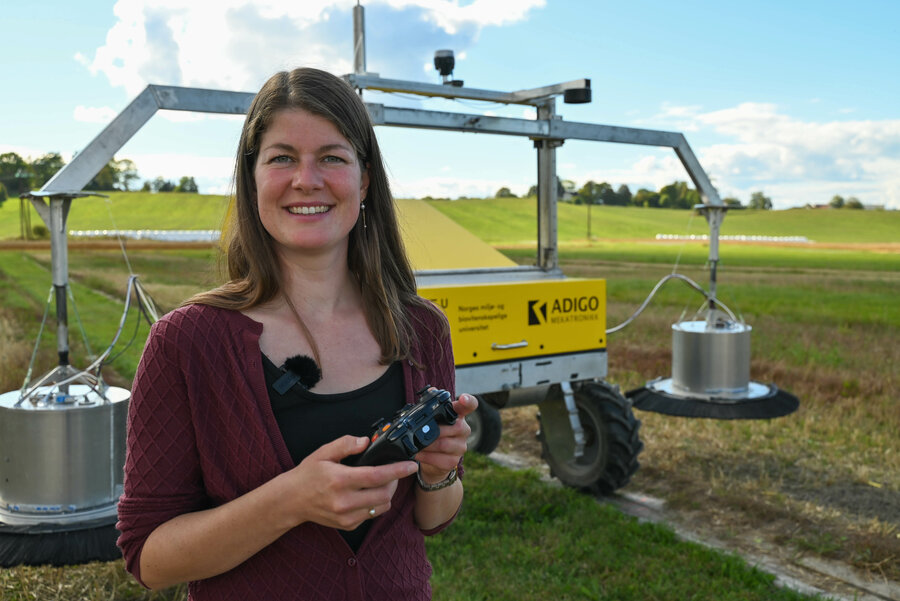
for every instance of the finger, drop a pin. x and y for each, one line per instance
(451, 440)
(452, 451)
(450, 435)
(465, 404)
(341, 448)
(372, 512)
(381, 475)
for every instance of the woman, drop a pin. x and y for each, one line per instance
(234, 478)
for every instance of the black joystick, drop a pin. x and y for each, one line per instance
(410, 430)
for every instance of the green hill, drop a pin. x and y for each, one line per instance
(513, 220)
(497, 221)
(129, 211)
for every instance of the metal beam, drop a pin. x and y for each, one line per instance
(199, 100)
(708, 192)
(464, 122)
(369, 81)
(538, 95)
(86, 164)
(556, 128)
(550, 129)
(75, 175)
(533, 96)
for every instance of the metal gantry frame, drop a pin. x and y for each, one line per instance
(547, 131)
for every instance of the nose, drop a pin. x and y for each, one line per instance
(306, 177)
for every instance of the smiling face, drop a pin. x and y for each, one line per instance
(309, 183)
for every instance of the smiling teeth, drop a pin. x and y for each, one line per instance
(308, 210)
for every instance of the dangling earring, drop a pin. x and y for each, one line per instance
(362, 207)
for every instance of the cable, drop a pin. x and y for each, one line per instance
(84, 338)
(656, 288)
(91, 375)
(118, 236)
(35, 350)
(683, 243)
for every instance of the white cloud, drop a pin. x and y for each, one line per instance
(236, 44)
(452, 18)
(794, 161)
(453, 187)
(174, 166)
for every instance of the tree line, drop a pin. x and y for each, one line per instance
(19, 175)
(677, 195)
(838, 202)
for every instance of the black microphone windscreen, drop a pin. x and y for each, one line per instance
(305, 367)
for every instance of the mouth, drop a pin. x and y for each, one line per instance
(309, 210)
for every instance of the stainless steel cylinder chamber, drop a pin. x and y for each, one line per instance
(62, 457)
(711, 359)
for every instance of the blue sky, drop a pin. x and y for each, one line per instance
(798, 99)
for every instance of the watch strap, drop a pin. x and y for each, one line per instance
(450, 479)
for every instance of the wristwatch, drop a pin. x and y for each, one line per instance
(450, 479)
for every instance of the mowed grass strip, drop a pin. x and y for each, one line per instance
(517, 539)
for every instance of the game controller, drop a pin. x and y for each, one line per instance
(410, 430)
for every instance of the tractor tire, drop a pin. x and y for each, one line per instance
(486, 426)
(612, 442)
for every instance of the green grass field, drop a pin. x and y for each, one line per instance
(512, 220)
(497, 221)
(823, 482)
(129, 211)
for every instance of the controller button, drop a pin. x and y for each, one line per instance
(426, 429)
(386, 427)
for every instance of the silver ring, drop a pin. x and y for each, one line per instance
(372, 513)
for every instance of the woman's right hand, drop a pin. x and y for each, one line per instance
(339, 496)
(205, 543)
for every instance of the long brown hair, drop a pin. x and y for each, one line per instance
(376, 253)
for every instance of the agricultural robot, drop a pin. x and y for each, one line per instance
(522, 335)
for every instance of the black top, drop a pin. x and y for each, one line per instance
(308, 420)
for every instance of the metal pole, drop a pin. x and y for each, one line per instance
(548, 255)
(590, 202)
(359, 39)
(714, 214)
(59, 259)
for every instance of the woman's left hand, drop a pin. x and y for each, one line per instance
(440, 457)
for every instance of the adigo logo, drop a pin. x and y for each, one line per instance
(537, 313)
(562, 310)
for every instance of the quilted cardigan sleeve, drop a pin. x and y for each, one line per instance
(162, 468)
(435, 353)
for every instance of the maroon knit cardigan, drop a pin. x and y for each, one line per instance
(201, 432)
